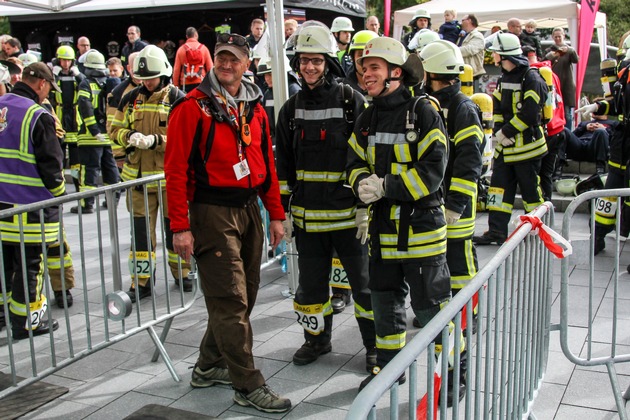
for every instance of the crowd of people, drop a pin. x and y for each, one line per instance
(375, 160)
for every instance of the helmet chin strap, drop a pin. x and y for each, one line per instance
(319, 82)
(387, 82)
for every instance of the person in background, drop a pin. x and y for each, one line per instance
(95, 150)
(134, 43)
(83, 45)
(256, 31)
(342, 29)
(115, 68)
(562, 57)
(12, 47)
(532, 38)
(30, 132)
(290, 26)
(472, 47)
(192, 62)
(450, 30)
(140, 125)
(372, 24)
(518, 131)
(421, 20)
(216, 167)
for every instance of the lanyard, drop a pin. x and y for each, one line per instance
(242, 130)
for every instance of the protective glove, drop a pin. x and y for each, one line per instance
(505, 141)
(287, 224)
(451, 216)
(361, 222)
(56, 70)
(587, 111)
(142, 141)
(371, 189)
(74, 70)
(101, 137)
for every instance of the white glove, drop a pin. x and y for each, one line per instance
(361, 222)
(505, 141)
(371, 189)
(101, 137)
(56, 70)
(587, 111)
(287, 224)
(451, 216)
(74, 70)
(142, 141)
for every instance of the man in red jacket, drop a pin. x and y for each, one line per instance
(553, 161)
(219, 160)
(192, 62)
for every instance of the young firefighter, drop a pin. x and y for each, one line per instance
(311, 149)
(398, 171)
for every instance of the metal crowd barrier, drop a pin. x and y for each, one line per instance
(507, 356)
(603, 343)
(100, 245)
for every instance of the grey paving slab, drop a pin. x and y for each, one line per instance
(61, 409)
(209, 401)
(126, 405)
(570, 412)
(163, 385)
(592, 389)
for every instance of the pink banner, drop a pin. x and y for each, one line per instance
(586, 24)
(388, 16)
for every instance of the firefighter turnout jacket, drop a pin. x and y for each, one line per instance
(407, 224)
(517, 105)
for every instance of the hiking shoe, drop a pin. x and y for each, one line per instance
(310, 351)
(339, 302)
(84, 209)
(370, 358)
(209, 377)
(488, 238)
(263, 399)
(59, 298)
(401, 379)
(187, 284)
(143, 291)
(42, 328)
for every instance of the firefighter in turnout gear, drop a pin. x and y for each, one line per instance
(443, 63)
(618, 169)
(68, 78)
(357, 45)
(95, 149)
(139, 125)
(311, 149)
(32, 170)
(396, 165)
(518, 129)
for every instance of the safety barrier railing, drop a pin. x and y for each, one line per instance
(507, 356)
(100, 244)
(605, 338)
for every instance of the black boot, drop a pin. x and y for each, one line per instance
(557, 170)
(339, 300)
(488, 238)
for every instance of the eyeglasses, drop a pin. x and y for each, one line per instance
(232, 39)
(84, 45)
(316, 61)
(131, 33)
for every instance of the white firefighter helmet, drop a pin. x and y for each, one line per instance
(94, 60)
(341, 24)
(506, 44)
(442, 57)
(150, 63)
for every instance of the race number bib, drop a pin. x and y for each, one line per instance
(606, 206)
(310, 317)
(495, 198)
(141, 266)
(338, 276)
(38, 310)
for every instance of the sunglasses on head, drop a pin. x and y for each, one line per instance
(232, 39)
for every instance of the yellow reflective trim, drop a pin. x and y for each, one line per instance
(316, 176)
(470, 131)
(414, 184)
(518, 123)
(392, 342)
(354, 174)
(402, 153)
(533, 95)
(463, 186)
(360, 312)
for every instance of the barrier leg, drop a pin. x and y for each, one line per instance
(160, 347)
(167, 328)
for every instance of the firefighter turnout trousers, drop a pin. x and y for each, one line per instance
(312, 298)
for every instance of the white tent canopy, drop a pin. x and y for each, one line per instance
(547, 13)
